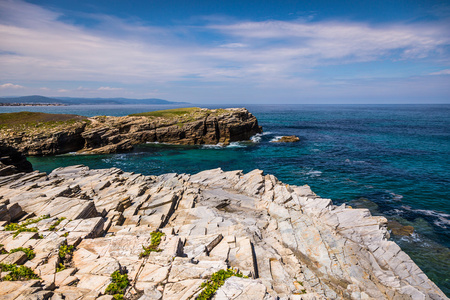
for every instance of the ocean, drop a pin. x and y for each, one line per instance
(392, 159)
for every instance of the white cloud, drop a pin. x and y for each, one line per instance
(11, 86)
(442, 72)
(107, 88)
(233, 45)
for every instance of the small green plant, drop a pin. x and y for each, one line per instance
(22, 227)
(17, 272)
(53, 226)
(60, 267)
(28, 251)
(217, 280)
(3, 250)
(65, 255)
(118, 285)
(154, 243)
(65, 234)
(64, 250)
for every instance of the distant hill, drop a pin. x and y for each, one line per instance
(36, 99)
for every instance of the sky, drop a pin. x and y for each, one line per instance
(214, 52)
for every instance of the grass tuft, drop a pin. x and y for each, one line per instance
(118, 285)
(17, 272)
(154, 243)
(217, 280)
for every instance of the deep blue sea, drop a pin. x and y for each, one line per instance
(392, 159)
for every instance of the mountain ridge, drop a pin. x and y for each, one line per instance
(38, 99)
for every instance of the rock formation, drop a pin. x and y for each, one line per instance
(288, 242)
(12, 161)
(104, 134)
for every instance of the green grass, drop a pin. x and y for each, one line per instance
(118, 285)
(154, 244)
(217, 280)
(65, 249)
(65, 256)
(37, 120)
(22, 227)
(28, 251)
(17, 272)
(53, 226)
(169, 113)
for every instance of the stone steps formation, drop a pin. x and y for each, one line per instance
(287, 241)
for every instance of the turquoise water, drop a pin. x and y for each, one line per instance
(393, 159)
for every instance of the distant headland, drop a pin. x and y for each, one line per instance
(37, 100)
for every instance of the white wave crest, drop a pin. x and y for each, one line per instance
(276, 138)
(216, 146)
(236, 145)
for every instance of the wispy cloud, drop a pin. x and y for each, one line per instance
(107, 88)
(442, 72)
(11, 86)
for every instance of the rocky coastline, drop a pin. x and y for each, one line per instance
(79, 233)
(107, 134)
(163, 236)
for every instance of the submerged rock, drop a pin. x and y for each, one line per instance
(289, 242)
(398, 229)
(287, 139)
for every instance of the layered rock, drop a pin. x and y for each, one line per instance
(105, 134)
(291, 243)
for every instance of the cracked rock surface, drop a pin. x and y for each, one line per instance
(289, 242)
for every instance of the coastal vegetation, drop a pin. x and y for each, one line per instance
(118, 285)
(215, 282)
(154, 244)
(16, 272)
(24, 119)
(23, 226)
(28, 251)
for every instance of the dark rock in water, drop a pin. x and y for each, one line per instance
(288, 139)
(12, 161)
(398, 229)
(365, 203)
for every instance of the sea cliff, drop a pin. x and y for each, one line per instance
(48, 134)
(100, 232)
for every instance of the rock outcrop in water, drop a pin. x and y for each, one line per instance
(289, 242)
(105, 134)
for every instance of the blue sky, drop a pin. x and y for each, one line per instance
(228, 51)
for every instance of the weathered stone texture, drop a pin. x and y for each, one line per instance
(290, 243)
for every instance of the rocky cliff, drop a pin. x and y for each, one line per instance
(100, 232)
(105, 134)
